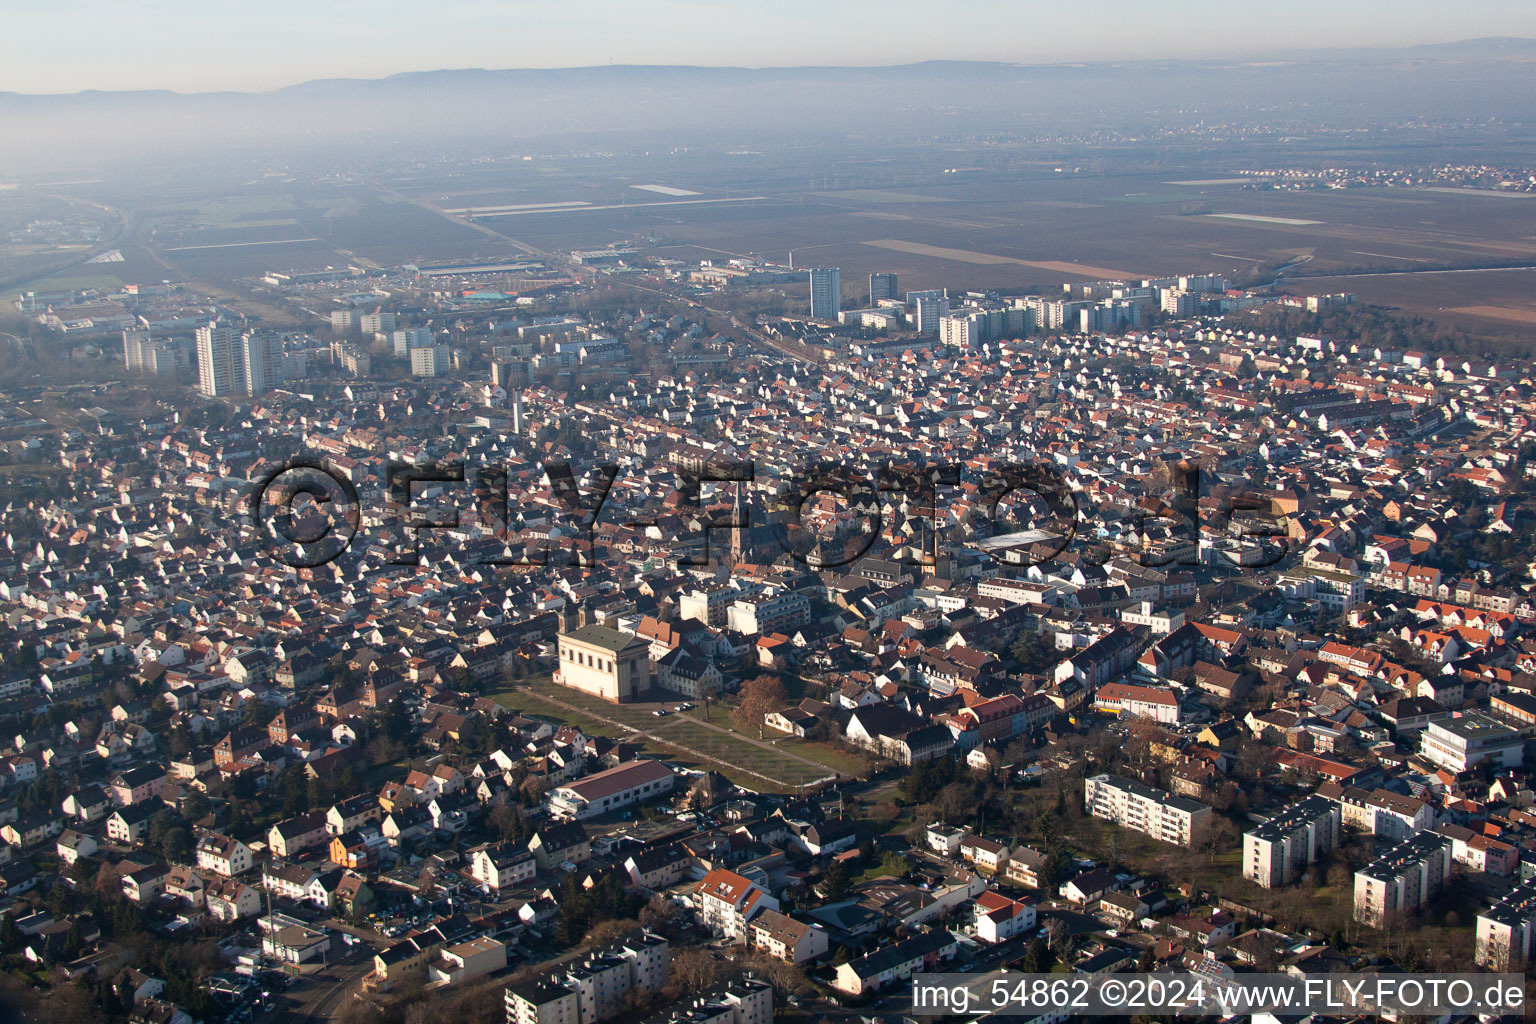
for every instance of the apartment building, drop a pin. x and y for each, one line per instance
(377, 323)
(1385, 813)
(784, 938)
(1278, 851)
(594, 988)
(407, 339)
(741, 1002)
(292, 835)
(1338, 591)
(1505, 930)
(1480, 852)
(769, 613)
(1163, 816)
(220, 367)
(727, 902)
(232, 363)
(1402, 880)
(605, 663)
(430, 361)
(1457, 744)
(1109, 656)
(657, 868)
(895, 962)
(826, 292)
(708, 605)
(501, 865)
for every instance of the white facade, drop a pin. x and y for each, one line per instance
(1163, 816)
(1402, 880)
(1506, 930)
(1278, 851)
(826, 293)
(1457, 744)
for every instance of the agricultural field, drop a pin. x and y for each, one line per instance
(1032, 230)
(1029, 225)
(1493, 301)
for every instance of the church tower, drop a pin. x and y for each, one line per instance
(740, 533)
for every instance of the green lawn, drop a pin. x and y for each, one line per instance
(1327, 908)
(531, 703)
(235, 211)
(836, 758)
(730, 750)
(81, 278)
(629, 714)
(678, 738)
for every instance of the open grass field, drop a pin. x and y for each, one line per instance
(686, 738)
(536, 706)
(234, 211)
(82, 277)
(729, 750)
(633, 715)
(836, 758)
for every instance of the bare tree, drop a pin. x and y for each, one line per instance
(760, 697)
(696, 969)
(659, 915)
(956, 802)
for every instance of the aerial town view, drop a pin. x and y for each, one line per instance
(720, 515)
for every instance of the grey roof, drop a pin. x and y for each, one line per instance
(603, 637)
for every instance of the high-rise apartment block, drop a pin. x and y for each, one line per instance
(220, 368)
(1402, 880)
(161, 357)
(429, 361)
(826, 293)
(881, 286)
(1507, 930)
(411, 337)
(378, 323)
(261, 355)
(928, 311)
(232, 363)
(1278, 851)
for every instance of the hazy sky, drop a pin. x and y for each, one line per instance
(196, 45)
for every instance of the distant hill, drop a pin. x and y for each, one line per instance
(1473, 78)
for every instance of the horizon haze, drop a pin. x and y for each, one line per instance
(193, 48)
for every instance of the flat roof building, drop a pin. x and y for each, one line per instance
(1163, 816)
(1457, 744)
(1506, 929)
(1278, 851)
(1402, 880)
